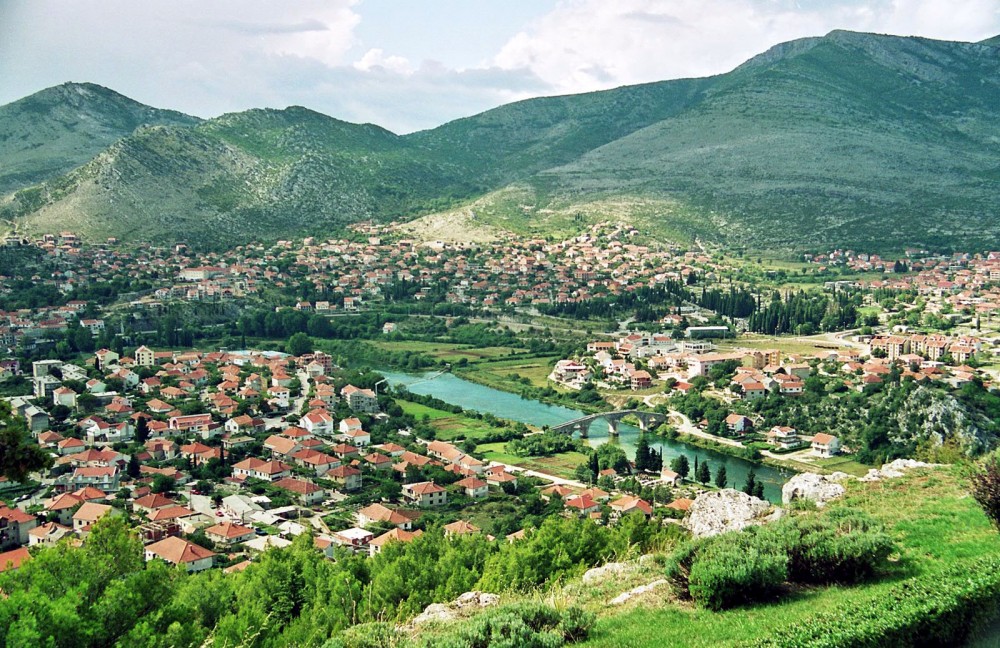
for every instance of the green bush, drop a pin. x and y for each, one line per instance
(523, 625)
(370, 635)
(937, 609)
(735, 568)
(731, 569)
(843, 546)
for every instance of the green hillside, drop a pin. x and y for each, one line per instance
(850, 139)
(58, 129)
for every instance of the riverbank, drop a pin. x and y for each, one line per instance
(744, 453)
(529, 392)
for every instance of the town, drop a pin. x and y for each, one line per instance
(215, 456)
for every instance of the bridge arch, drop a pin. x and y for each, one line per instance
(582, 424)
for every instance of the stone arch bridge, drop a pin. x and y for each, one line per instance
(582, 424)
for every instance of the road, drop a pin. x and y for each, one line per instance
(687, 427)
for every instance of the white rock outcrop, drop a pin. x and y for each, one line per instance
(811, 486)
(604, 571)
(727, 510)
(896, 468)
(625, 597)
(450, 611)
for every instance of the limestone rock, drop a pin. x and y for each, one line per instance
(625, 597)
(811, 486)
(449, 611)
(726, 510)
(896, 468)
(600, 573)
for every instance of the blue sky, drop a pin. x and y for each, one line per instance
(413, 64)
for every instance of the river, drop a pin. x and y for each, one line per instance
(472, 396)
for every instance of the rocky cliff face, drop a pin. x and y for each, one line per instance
(933, 415)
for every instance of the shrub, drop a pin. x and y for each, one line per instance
(370, 635)
(576, 624)
(734, 568)
(843, 546)
(731, 569)
(523, 625)
(986, 487)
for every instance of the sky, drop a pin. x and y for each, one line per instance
(413, 64)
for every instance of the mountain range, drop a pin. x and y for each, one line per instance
(850, 139)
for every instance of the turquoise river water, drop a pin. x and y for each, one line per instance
(472, 396)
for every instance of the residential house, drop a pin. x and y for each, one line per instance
(825, 445)
(360, 400)
(348, 477)
(177, 551)
(473, 487)
(379, 514)
(228, 533)
(425, 494)
(306, 492)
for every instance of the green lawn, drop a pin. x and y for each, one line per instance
(447, 351)
(510, 374)
(560, 465)
(933, 519)
(448, 426)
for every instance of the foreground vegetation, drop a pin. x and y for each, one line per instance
(939, 583)
(104, 594)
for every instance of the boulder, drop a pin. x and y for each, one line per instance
(469, 601)
(726, 510)
(604, 571)
(811, 486)
(895, 468)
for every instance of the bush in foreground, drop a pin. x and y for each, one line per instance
(753, 565)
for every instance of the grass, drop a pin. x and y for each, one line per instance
(786, 345)
(845, 464)
(933, 519)
(448, 351)
(510, 374)
(561, 465)
(448, 426)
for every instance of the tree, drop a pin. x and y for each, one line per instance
(758, 490)
(299, 344)
(986, 487)
(720, 476)
(133, 466)
(163, 484)
(18, 458)
(642, 453)
(751, 484)
(704, 473)
(655, 461)
(681, 466)
(142, 430)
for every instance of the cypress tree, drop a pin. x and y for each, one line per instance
(720, 477)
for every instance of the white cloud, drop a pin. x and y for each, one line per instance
(376, 58)
(592, 44)
(207, 58)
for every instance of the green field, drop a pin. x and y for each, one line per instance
(509, 374)
(448, 426)
(560, 465)
(448, 351)
(786, 344)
